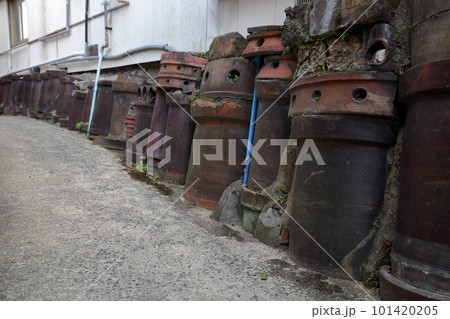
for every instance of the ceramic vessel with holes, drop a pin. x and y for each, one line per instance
(272, 84)
(222, 112)
(180, 71)
(137, 124)
(345, 123)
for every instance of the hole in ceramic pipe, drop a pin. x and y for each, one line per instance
(275, 65)
(234, 75)
(151, 93)
(293, 98)
(206, 76)
(377, 53)
(260, 42)
(316, 95)
(359, 95)
(167, 81)
(186, 82)
(178, 67)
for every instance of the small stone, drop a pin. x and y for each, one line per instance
(379, 56)
(268, 227)
(226, 46)
(229, 209)
(264, 276)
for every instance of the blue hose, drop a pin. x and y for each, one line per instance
(251, 131)
(94, 95)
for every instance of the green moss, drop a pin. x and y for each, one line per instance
(325, 37)
(345, 36)
(282, 199)
(141, 167)
(308, 45)
(79, 125)
(376, 223)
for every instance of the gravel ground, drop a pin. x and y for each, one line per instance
(75, 224)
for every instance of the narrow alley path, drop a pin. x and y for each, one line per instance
(69, 209)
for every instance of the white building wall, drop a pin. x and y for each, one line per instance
(185, 25)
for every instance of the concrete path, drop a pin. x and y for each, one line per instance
(71, 213)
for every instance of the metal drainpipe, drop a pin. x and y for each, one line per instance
(149, 47)
(251, 131)
(66, 31)
(86, 28)
(99, 66)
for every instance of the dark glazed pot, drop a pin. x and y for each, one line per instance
(223, 113)
(76, 110)
(180, 128)
(125, 90)
(421, 248)
(101, 118)
(337, 196)
(272, 83)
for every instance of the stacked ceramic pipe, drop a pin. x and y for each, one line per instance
(222, 111)
(125, 89)
(179, 77)
(421, 248)
(101, 117)
(76, 109)
(23, 93)
(272, 123)
(10, 98)
(50, 88)
(2, 86)
(5, 92)
(35, 93)
(347, 123)
(63, 101)
(137, 123)
(48, 94)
